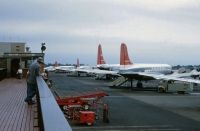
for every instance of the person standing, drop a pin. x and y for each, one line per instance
(33, 72)
(19, 73)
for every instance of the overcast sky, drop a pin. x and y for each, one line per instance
(155, 31)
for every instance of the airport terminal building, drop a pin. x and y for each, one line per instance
(15, 55)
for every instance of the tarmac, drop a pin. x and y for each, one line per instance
(134, 110)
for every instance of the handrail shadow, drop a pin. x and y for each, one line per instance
(3, 73)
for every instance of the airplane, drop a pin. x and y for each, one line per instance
(127, 65)
(59, 69)
(64, 69)
(191, 74)
(101, 63)
(92, 70)
(50, 68)
(140, 72)
(151, 71)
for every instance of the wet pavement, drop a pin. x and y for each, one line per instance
(134, 110)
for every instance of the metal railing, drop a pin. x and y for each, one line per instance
(52, 117)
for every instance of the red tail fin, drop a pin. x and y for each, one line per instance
(124, 58)
(100, 59)
(78, 64)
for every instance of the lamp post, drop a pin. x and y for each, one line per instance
(43, 47)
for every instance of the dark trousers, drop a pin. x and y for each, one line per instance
(31, 91)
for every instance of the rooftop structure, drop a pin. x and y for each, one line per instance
(15, 55)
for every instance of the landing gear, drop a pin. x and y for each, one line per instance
(105, 114)
(139, 84)
(161, 89)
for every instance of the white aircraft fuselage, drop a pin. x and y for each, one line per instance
(147, 68)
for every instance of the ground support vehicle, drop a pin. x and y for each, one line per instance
(175, 87)
(85, 108)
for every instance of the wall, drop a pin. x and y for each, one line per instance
(4, 48)
(17, 47)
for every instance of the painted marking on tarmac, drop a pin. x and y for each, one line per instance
(118, 128)
(117, 96)
(195, 94)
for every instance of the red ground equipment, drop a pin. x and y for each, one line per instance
(84, 108)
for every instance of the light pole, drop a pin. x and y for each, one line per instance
(43, 47)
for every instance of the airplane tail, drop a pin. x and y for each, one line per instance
(124, 58)
(77, 64)
(100, 59)
(56, 64)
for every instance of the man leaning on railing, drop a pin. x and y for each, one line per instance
(33, 72)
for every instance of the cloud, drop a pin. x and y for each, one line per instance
(75, 28)
(159, 5)
(145, 29)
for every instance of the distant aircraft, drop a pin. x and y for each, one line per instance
(100, 59)
(78, 64)
(101, 64)
(92, 70)
(62, 69)
(191, 74)
(50, 68)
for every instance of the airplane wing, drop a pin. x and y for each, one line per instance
(97, 71)
(152, 76)
(103, 72)
(64, 69)
(106, 72)
(139, 75)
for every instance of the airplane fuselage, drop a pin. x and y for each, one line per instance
(147, 68)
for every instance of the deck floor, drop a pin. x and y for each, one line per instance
(15, 114)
